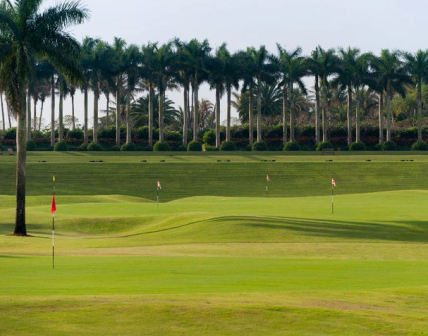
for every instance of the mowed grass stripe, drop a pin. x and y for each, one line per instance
(180, 180)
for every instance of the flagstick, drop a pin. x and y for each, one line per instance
(332, 198)
(157, 197)
(53, 233)
(266, 190)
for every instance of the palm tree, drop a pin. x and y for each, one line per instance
(391, 76)
(314, 68)
(149, 77)
(2, 111)
(417, 67)
(292, 66)
(27, 35)
(197, 55)
(263, 72)
(346, 78)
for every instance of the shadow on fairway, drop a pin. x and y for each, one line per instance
(406, 231)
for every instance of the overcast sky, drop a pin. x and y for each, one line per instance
(370, 25)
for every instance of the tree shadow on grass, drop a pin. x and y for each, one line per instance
(405, 231)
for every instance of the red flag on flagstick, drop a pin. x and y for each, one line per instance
(333, 183)
(159, 185)
(53, 206)
(267, 178)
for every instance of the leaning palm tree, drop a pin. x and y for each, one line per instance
(417, 67)
(28, 34)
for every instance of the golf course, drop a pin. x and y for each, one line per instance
(218, 255)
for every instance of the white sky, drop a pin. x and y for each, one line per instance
(370, 25)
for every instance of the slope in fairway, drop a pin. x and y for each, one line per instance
(220, 265)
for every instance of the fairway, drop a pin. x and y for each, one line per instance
(218, 256)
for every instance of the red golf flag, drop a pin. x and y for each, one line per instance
(53, 206)
(333, 183)
(267, 178)
(159, 185)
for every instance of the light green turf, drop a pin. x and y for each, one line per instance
(219, 265)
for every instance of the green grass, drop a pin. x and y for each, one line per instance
(219, 258)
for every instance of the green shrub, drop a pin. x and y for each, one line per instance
(31, 146)
(260, 146)
(76, 134)
(95, 147)
(10, 134)
(181, 148)
(148, 148)
(389, 146)
(128, 147)
(292, 146)
(323, 145)
(209, 137)
(161, 146)
(83, 147)
(420, 146)
(115, 148)
(357, 146)
(377, 147)
(194, 146)
(248, 148)
(174, 136)
(209, 148)
(61, 146)
(227, 146)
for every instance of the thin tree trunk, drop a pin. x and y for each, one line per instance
(161, 105)
(259, 110)
(128, 117)
(95, 128)
(185, 112)
(357, 118)
(72, 113)
(317, 111)
(61, 114)
(420, 111)
(108, 110)
(324, 112)
(41, 114)
(28, 115)
(381, 118)
(150, 114)
(2, 112)
(86, 107)
(117, 113)
(284, 113)
(349, 120)
(250, 115)
(291, 116)
(195, 110)
(35, 116)
(229, 89)
(21, 167)
(8, 114)
(388, 116)
(53, 110)
(217, 117)
(189, 109)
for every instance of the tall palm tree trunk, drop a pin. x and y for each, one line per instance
(128, 117)
(185, 111)
(150, 114)
(250, 115)
(28, 115)
(324, 113)
(61, 115)
(348, 115)
(161, 107)
(95, 128)
(86, 107)
(284, 114)
(195, 111)
(53, 110)
(357, 117)
(107, 109)
(292, 124)
(118, 113)
(259, 110)
(217, 117)
(9, 114)
(72, 113)
(381, 117)
(229, 89)
(35, 115)
(21, 166)
(2, 111)
(317, 111)
(41, 114)
(419, 111)
(388, 115)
